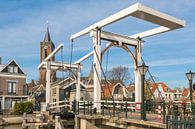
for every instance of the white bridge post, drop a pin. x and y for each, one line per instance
(48, 78)
(78, 87)
(138, 76)
(97, 68)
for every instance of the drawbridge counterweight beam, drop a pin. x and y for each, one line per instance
(139, 11)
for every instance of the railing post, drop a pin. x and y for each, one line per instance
(167, 122)
(103, 108)
(91, 108)
(114, 109)
(88, 107)
(184, 109)
(84, 107)
(126, 109)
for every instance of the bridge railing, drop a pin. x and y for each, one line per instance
(107, 107)
(59, 104)
(155, 110)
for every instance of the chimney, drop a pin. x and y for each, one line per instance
(0, 60)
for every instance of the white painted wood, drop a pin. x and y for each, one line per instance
(78, 89)
(84, 58)
(51, 55)
(48, 81)
(119, 38)
(137, 75)
(97, 71)
(139, 11)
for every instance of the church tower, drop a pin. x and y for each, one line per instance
(46, 47)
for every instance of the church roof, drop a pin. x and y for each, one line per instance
(47, 37)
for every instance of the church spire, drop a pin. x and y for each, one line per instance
(47, 35)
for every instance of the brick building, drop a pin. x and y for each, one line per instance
(13, 86)
(46, 47)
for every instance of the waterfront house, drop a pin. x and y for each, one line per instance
(65, 89)
(13, 86)
(116, 90)
(161, 90)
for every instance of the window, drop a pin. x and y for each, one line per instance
(45, 52)
(11, 87)
(13, 69)
(54, 91)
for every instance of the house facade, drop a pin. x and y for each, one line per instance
(65, 89)
(161, 90)
(13, 87)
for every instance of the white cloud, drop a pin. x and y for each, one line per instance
(169, 62)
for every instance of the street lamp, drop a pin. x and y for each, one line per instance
(143, 69)
(190, 77)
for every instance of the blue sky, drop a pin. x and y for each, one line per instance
(23, 25)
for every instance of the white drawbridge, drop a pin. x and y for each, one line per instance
(165, 22)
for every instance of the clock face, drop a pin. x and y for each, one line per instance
(45, 47)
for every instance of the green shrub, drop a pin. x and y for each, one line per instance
(20, 108)
(28, 107)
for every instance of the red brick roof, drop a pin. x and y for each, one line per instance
(108, 89)
(185, 92)
(163, 85)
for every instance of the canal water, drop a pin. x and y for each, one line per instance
(11, 127)
(19, 127)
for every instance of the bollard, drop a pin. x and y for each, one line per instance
(78, 107)
(24, 121)
(95, 111)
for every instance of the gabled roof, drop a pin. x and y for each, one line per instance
(38, 88)
(12, 62)
(164, 87)
(108, 91)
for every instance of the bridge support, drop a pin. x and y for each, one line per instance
(137, 75)
(78, 88)
(48, 78)
(97, 69)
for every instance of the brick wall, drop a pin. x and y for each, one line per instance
(20, 82)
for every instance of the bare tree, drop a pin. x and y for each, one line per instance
(119, 74)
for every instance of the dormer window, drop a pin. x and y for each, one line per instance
(13, 69)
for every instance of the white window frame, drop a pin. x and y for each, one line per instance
(11, 87)
(12, 69)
